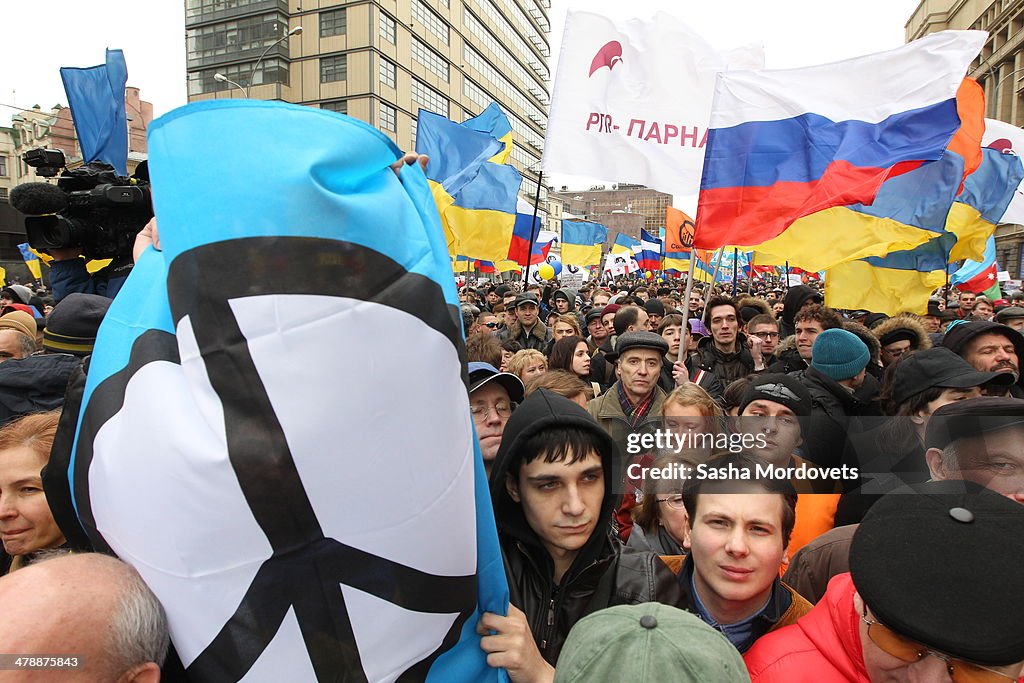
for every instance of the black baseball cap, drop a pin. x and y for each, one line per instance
(939, 367)
(524, 299)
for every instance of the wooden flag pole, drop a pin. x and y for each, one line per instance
(686, 303)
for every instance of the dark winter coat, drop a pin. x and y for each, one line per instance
(727, 366)
(832, 407)
(603, 573)
(794, 300)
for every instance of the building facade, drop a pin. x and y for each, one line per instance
(381, 61)
(999, 69)
(622, 208)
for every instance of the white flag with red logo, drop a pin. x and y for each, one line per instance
(631, 101)
(1008, 139)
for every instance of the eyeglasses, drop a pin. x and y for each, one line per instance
(502, 409)
(909, 651)
(766, 335)
(675, 502)
(490, 325)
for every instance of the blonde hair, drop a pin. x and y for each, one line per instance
(518, 362)
(571, 320)
(691, 394)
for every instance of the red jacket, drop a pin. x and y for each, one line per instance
(822, 647)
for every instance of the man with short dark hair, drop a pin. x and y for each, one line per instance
(795, 352)
(736, 534)
(527, 328)
(553, 492)
(725, 352)
(597, 332)
(965, 309)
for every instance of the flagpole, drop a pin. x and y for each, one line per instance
(533, 231)
(686, 303)
(735, 268)
(716, 263)
(750, 276)
(787, 276)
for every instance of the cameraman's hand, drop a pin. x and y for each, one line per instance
(411, 158)
(148, 236)
(65, 254)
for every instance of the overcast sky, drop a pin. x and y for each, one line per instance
(152, 35)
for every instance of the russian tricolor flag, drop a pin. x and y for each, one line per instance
(526, 227)
(649, 257)
(785, 144)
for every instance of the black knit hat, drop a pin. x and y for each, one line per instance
(913, 545)
(654, 307)
(779, 388)
(73, 323)
(959, 335)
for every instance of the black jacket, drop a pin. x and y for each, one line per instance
(603, 573)
(727, 366)
(34, 384)
(794, 300)
(832, 407)
(705, 379)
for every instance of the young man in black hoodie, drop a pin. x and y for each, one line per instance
(553, 498)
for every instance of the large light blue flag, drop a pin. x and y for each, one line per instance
(96, 97)
(251, 438)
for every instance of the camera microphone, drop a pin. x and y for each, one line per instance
(37, 199)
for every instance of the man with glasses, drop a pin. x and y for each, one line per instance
(933, 594)
(492, 398)
(765, 328)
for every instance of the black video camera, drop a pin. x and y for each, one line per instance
(90, 207)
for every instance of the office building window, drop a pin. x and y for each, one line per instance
(340, 106)
(333, 23)
(3, 166)
(387, 73)
(270, 71)
(333, 69)
(428, 98)
(3, 194)
(387, 28)
(434, 62)
(386, 117)
(432, 22)
(237, 35)
(412, 132)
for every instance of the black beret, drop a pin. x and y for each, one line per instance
(778, 388)
(945, 569)
(973, 417)
(637, 340)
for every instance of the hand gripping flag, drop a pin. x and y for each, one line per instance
(96, 96)
(790, 143)
(237, 441)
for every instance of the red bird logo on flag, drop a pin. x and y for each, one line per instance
(609, 56)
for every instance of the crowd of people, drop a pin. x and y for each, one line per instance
(888, 551)
(903, 438)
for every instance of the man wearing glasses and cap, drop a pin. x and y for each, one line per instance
(493, 396)
(933, 594)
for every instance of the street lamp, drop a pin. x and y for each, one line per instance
(995, 90)
(221, 78)
(294, 32)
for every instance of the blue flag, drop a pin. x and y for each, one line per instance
(96, 97)
(239, 439)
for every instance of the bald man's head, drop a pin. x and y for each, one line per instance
(89, 605)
